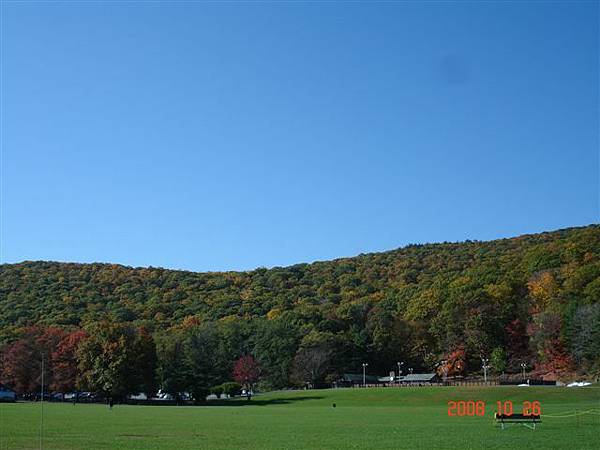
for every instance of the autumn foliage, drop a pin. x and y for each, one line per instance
(120, 329)
(64, 362)
(455, 363)
(246, 371)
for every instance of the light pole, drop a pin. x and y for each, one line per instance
(364, 373)
(42, 408)
(400, 363)
(410, 369)
(485, 366)
(523, 366)
(444, 369)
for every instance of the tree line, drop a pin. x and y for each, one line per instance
(532, 300)
(119, 359)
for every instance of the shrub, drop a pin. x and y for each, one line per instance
(217, 390)
(231, 388)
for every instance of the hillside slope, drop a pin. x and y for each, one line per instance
(417, 302)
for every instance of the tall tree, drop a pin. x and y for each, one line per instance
(22, 360)
(246, 372)
(171, 367)
(498, 359)
(145, 362)
(21, 366)
(64, 362)
(114, 360)
(202, 361)
(276, 344)
(311, 365)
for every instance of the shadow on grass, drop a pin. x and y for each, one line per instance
(257, 401)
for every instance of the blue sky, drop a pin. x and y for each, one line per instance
(226, 136)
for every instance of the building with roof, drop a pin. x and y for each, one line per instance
(413, 379)
(356, 379)
(420, 379)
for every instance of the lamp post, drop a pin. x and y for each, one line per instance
(364, 373)
(444, 369)
(523, 366)
(485, 366)
(400, 363)
(410, 370)
(42, 407)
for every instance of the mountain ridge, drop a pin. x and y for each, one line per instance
(341, 258)
(535, 296)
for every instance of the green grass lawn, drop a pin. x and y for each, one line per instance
(383, 418)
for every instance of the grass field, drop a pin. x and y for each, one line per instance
(383, 418)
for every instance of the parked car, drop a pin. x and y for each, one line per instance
(37, 396)
(7, 394)
(579, 384)
(88, 397)
(140, 396)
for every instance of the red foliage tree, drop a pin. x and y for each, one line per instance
(556, 361)
(22, 360)
(517, 342)
(246, 372)
(455, 363)
(64, 362)
(21, 367)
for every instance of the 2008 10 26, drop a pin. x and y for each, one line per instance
(477, 408)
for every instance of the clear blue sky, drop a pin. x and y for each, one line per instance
(211, 136)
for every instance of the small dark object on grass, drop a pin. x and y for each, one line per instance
(333, 405)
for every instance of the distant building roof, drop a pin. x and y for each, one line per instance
(358, 378)
(419, 377)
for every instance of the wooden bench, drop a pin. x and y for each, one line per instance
(526, 420)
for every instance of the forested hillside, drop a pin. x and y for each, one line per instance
(533, 299)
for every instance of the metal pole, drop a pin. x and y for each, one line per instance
(42, 408)
(445, 370)
(400, 370)
(364, 377)
(485, 367)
